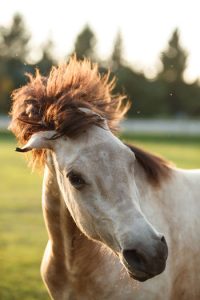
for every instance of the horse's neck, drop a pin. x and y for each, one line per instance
(66, 239)
(84, 262)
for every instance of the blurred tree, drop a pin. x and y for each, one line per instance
(117, 55)
(190, 95)
(47, 60)
(174, 62)
(167, 95)
(13, 51)
(145, 95)
(14, 39)
(85, 44)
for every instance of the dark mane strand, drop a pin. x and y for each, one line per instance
(156, 168)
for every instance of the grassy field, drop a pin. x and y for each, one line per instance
(22, 233)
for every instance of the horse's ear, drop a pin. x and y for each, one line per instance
(88, 111)
(39, 140)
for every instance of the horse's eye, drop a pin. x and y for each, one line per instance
(76, 180)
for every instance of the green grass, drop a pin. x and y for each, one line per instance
(22, 233)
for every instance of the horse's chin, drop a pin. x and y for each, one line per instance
(141, 277)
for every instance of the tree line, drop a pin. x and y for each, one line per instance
(166, 95)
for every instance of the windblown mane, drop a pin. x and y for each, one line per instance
(155, 167)
(53, 102)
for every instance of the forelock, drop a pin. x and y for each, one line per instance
(53, 102)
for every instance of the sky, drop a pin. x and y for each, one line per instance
(145, 25)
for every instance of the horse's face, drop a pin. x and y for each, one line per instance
(95, 173)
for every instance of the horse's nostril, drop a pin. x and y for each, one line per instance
(164, 247)
(134, 259)
(163, 240)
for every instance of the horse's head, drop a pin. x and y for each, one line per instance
(95, 174)
(95, 171)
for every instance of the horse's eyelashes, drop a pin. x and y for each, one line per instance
(76, 180)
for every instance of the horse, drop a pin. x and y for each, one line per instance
(122, 223)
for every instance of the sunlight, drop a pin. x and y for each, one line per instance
(145, 27)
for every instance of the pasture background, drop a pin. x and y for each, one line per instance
(23, 236)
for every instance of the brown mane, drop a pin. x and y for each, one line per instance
(155, 167)
(53, 102)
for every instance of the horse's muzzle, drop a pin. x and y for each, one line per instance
(143, 264)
